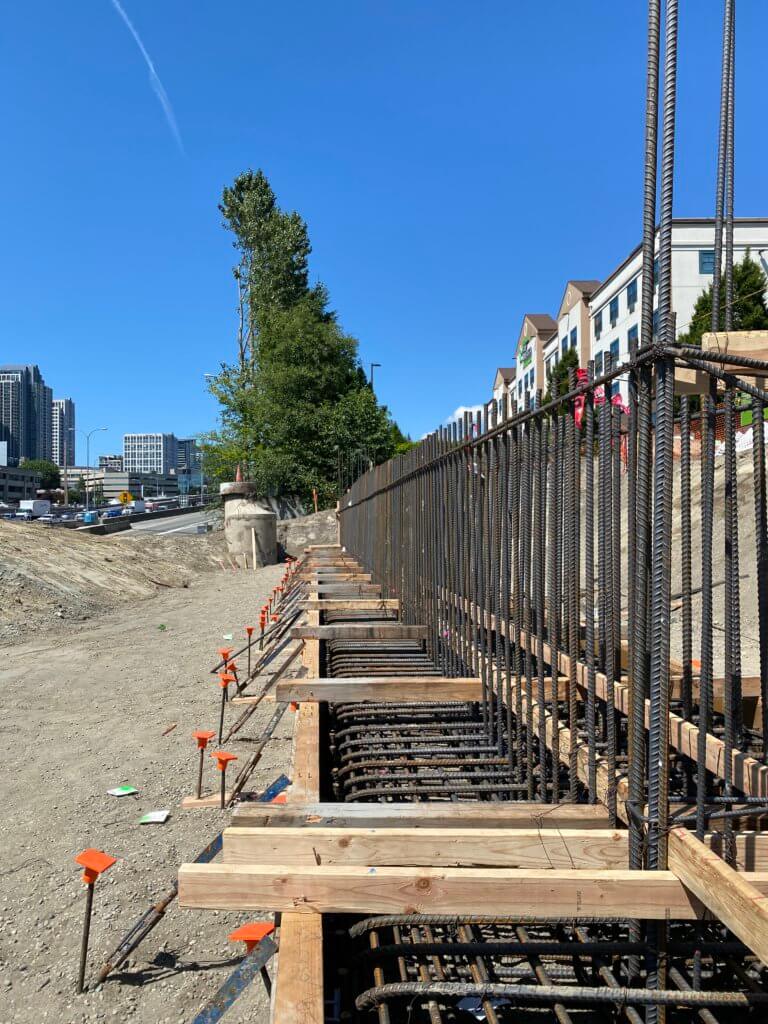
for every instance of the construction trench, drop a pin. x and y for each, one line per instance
(530, 687)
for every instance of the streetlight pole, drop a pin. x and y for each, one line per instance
(88, 462)
(373, 366)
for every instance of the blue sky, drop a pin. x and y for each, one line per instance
(456, 163)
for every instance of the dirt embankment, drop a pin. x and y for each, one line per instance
(50, 577)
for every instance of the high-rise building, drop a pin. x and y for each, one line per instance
(26, 404)
(188, 456)
(63, 432)
(149, 453)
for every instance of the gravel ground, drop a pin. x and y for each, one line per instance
(85, 714)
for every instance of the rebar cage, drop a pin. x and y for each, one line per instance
(538, 546)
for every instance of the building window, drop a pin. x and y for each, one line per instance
(706, 261)
(632, 295)
(564, 345)
(574, 337)
(614, 364)
(614, 310)
(632, 336)
(655, 322)
(598, 364)
(598, 322)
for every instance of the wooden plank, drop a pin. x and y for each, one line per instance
(463, 814)
(341, 604)
(454, 847)
(299, 978)
(731, 897)
(310, 656)
(360, 631)
(428, 847)
(383, 688)
(536, 893)
(305, 772)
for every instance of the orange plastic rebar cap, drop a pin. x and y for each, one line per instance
(225, 678)
(249, 630)
(223, 758)
(281, 798)
(202, 736)
(94, 862)
(225, 652)
(252, 934)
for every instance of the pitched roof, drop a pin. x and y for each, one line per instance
(507, 372)
(587, 287)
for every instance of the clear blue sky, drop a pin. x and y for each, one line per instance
(456, 163)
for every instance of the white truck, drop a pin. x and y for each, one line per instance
(36, 507)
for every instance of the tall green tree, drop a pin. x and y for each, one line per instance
(297, 395)
(750, 310)
(559, 373)
(49, 472)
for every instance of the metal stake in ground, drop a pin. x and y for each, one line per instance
(249, 631)
(223, 759)
(202, 738)
(225, 678)
(94, 862)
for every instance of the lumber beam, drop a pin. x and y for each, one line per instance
(456, 814)
(341, 604)
(360, 631)
(305, 774)
(539, 894)
(299, 978)
(427, 847)
(381, 688)
(433, 846)
(732, 897)
(298, 997)
(310, 655)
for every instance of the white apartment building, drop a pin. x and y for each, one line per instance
(536, 333)
(573, 325)
(149, 453)
(615, 305)
(504, 384)
(63, 431)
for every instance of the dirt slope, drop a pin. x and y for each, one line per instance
(54, 576)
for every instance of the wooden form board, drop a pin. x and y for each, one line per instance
(401, 846)
(362, 604)
(360, 631)
(739, 903)
(305, 769)
(381, 688)
(540, 894)
(298, 996)
(456, 814)
(428, 847)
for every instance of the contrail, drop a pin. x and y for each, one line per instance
(154, 78)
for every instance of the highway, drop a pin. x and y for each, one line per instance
(182, 524)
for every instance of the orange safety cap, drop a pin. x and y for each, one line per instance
(275, 618)
(249, 630)
(281, 798)
(223, 758)
(225, 678)
(94, 862)
(225, 652)
(202, 737)
(252, 934)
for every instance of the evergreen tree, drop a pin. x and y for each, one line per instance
(560, 374)
(750, 310)
(297, 396)
(49, 473)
